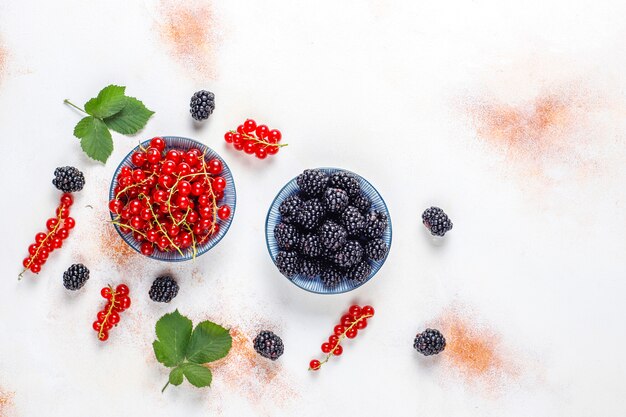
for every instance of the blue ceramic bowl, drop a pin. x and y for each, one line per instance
(315, 285)
(230, 198)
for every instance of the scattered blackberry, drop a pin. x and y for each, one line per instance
(312, 182)
(202, 105)
(75, 277)
(68, 179)
(375, 224)
(310, 214)
(287, 236)
(429, 342)
(288, 263)
(335, 200)
(289, 208)
(311, 245)
(163, 289)
(436, 221)
(360, 272)
(376, 249)
(331, 276)
(362, 202)
(345, 181)
(311, 268)
(353, 221)
(268, 345)
(350, 254)
(332, 235)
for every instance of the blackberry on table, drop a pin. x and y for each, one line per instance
(311, 268)
(332, 235)
(359, 273)
(75, 277)
(68, 179)
(376, 249)
(288, 263)
(310, 214)
(429, 342)
(375, 224)
(289, 208)
(436, 221)
(353, 221)
(202, 105)
(362, 202)
(287, 236)
(335, 200)
(268, 345)
(312, 182)
(331, 276)
(350, 254)
(163, 289)
(311, 245)
(345, 181)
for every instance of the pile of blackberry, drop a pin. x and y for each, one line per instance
(329, 230)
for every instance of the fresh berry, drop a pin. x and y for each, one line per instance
(345, 181)
(311, 245)
(375, 224)
(310, 214)
(350, 254)
(335, 200)
(314, 365)
(359, 273)
(75, 277)
(163, 289)
(353, 221)
(332, 235)
(118, 300)
(376, 250)
(268, 345)
(429, 342)
(68, 179)
(255, 140)
(436, 221)
(312, 182)
(289, 263)
(287, 236)
(311, 268)
(202, 105)
(289, 208)
(331, 276)
(362, 202)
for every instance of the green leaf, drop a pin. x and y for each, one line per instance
(110, 100)
(95, 138)
(176, 376)
(173, 332)
(209, 342)
(131, 119)
(197, 375)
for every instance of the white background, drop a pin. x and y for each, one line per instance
(379, 87)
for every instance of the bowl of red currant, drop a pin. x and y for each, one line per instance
(172, 198)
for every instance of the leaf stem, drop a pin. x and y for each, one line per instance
(66, 101)
(166, 385)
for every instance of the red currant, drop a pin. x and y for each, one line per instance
(326, 347)
(69, 223)
(103, 335)
(98, 323)
(339, 329)
(40, 237)
(219, 184)
(223, 212)
(355, 311)
(338, 350)
(52, 223)
(262, 131)
(367, 311)
(35, 267)
(228, 137)
(333, 340)
(106, 293)
(272, 150)
(138, 158)
(362, 324)
(152, 155)
(275, 136)
(114, 318)
(314, 365)
(174, 155)
(67, 200)
(249, 125)
(346, 320)
(249, 147)
(260, 153)
(215, 166)
(158, 143)
(351, 334)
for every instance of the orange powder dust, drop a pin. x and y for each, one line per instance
(6, 403)
(189, 31)
(3, 60)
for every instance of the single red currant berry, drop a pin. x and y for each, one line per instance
(224, 212)
(249, 125)
(339, 329)
(219, 184)
(338, 350)
(40, 237)
(125, 302)
(351, 334)
(63, 212)
(69, 223)
(32, 249)
(114, 318)
(182, 202)
(52, 223)
(43, 254)
(158, 143)
(262, 131)
(97, 324)
(57, 242)
(173, 155)
(168, 167)
(121, 289)
(183, 187)
(326, 348)
(367, 311)
(355, 311)
(35, 267)
(67, 199)
(191, 158)
(215, 166)
(153, 155)
(240, 129)
(314, 365)
(125, 172)
(275, 135)
(63, 233)
(27, 261)
(101, 316)
(183, 169)
(260, 153)
(249, 147)
(138, 158)
(238, 146)
(272, 150)
(228, 137)
(333, 340)
(106, 293)
(103, 335)
(237, 138)
(147, 248)
(362, 324)
(346, 320)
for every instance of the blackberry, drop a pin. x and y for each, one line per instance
(202, 105)
(287, 236)
(332, 235)
(350, 254)
(68, 179)
(375, 224)
(312, 182)
(335, 200)
(429, 342)
(163, 289)
(359, 273)
(288, 263)
(331, 276)
(353, 221)
(75, 277)
(311, 268)
(268, 345)
(436, 221)
(376, 249)
(310, 214)
(311, 245)
(345, 181)
(362, 202)
(289, 208)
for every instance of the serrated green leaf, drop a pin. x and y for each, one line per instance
(173, 332)
(95, 138)
(176, 376)
(197, 375)
(131, 119)
(209, 342)
(110, 100)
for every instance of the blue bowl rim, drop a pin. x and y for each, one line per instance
(333, 170)
(211, 243)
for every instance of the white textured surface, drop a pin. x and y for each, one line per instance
(374, 86)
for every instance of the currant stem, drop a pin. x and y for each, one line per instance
(106, 317)
(261, 141)
(66, 101)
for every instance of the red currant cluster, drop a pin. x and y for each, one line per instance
(170, 200)
(349, 326)
(118, 301)
(252, 139)
(58, 229)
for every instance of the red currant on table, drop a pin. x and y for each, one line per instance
(314, 365)
(326, 347)
(255, 139)
(368, 311)
(109, 316)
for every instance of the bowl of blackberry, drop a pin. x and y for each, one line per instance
(328, 231)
